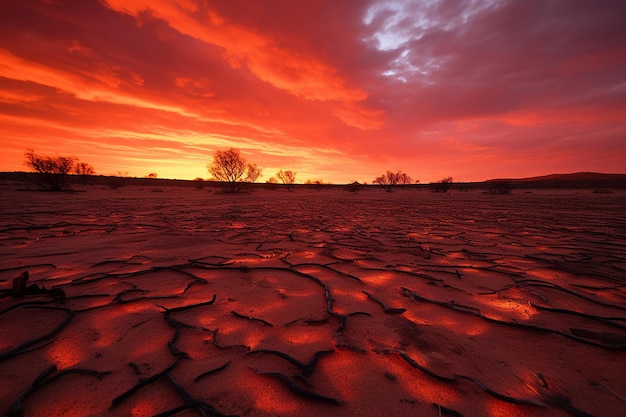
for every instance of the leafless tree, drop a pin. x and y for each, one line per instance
(230, 168)
(404, 179)
(286, 177)
(389, 179)
(83, 170)
(51, 171)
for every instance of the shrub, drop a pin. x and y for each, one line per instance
(51, 171)
(442, 186)
(286, 177)
(83, 171)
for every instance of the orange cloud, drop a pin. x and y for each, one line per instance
(103, 86)
(297, 72)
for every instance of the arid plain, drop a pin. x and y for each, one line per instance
(182, 301)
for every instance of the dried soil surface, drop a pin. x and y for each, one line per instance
(177, 301)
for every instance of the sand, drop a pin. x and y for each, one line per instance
(313, 303)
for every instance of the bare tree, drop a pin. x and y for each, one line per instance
(389, 179)
(51, 171)
(230, 168)
(404, 179)
(286, 177)
(83, 170)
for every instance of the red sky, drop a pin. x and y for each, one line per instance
(335, 90)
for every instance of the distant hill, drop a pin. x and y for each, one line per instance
(591, 180)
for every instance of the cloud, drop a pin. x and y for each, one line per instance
(467, 88)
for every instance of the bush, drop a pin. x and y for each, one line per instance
(84, 171)
(442, 186)
(51, 171)
(286, 177)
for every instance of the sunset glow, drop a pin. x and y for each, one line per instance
(334, 90)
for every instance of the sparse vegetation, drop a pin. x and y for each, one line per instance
(83, 170)
(315, 184)
(442, 186)
(286, 177)
(52, 170)
(390, 179)
(231, 169)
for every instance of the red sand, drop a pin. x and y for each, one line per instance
(491, 285)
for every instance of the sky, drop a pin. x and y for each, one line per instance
(337, 90)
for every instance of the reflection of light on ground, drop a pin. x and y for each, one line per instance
(143, 407)
(268, 394)
(254, 338)
(495, 408)
(114, 323)
(546, 274)
(304, 336)
(521, 311)
(455, 322)
(66, 353)
(381, 278)
(343, 368)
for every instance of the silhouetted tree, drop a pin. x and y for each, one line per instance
(442, 186)
(389, 179)
(152, 175)
(404, 179)
(315, 184)
(230, 168)
(51, 171)
(83, 170)
(286, 177)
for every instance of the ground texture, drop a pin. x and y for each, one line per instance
(174, 301)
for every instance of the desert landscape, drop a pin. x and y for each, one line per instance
(160, 301)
